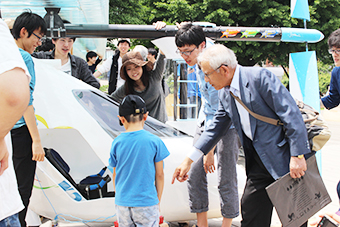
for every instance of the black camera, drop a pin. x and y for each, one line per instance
(327, 221)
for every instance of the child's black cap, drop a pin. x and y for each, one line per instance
(132, 104)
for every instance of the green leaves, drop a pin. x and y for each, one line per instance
(249, 13)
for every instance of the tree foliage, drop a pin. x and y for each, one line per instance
(248, 13)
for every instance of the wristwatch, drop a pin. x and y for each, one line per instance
(300, 156)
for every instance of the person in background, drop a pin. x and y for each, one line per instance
(70, 64)
(93, 59)
(47, 45)
(28, 30)
(137, 158)
(14, 98)
(113, 65)
(152, 55)
(143, 51)
(194, 92)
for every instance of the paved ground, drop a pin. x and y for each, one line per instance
(330, 173)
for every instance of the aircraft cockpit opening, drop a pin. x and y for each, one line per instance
(105, 111)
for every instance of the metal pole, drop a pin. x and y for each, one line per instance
(175, 90)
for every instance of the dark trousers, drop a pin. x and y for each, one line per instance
(24, 166)
(256, 207)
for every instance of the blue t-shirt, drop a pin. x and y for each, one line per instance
(134, 155)
(30, 66)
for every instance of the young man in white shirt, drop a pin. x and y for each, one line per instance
(70, 64)
(113, 65)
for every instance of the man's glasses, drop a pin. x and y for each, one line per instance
(331, 51)
(208, 74)
(186, 53)
(40, 38)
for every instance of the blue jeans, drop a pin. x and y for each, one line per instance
(11, 221)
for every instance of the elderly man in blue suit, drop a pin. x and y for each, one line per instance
(270, 150)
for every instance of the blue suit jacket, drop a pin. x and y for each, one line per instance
(333, 99)
(263, 94)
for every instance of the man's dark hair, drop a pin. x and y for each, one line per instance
(189, 34)
(66, 22)
(46, 45)
(90, 54)
(152, 51)
(123, 41)
(31, 22)
(334, 39)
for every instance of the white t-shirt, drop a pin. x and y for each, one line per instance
(106, 66)
(10, 58)
(66, 68)
(120, 81)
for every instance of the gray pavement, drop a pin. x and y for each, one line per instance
(330, 173)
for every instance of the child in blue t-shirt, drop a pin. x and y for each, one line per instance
(137, 157)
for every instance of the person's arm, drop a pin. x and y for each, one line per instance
(159, 179)
(114, 179)
(104, 68)
(277, 97)
(208, 161)
(97, 74)
(14, 97)
(333, 98)
(99, 59)
(86, 75)
(159, 68)
(181, 172)
(37, 149)
(118, 94)
(211, 135)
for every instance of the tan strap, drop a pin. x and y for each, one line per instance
(258, 116)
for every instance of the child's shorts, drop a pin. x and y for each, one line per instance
(138, 216)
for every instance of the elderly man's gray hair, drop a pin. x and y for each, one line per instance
(142, 50)
(217, 55)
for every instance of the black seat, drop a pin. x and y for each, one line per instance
(91, 187)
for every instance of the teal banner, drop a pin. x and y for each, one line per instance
(299, 9)
(304, 81)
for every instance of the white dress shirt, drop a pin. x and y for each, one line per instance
(244, 114)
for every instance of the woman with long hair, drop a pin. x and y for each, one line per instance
(145, 80)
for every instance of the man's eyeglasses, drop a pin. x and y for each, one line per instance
(40, 38)
(186, 53)
(208, 74)
(331, 51)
